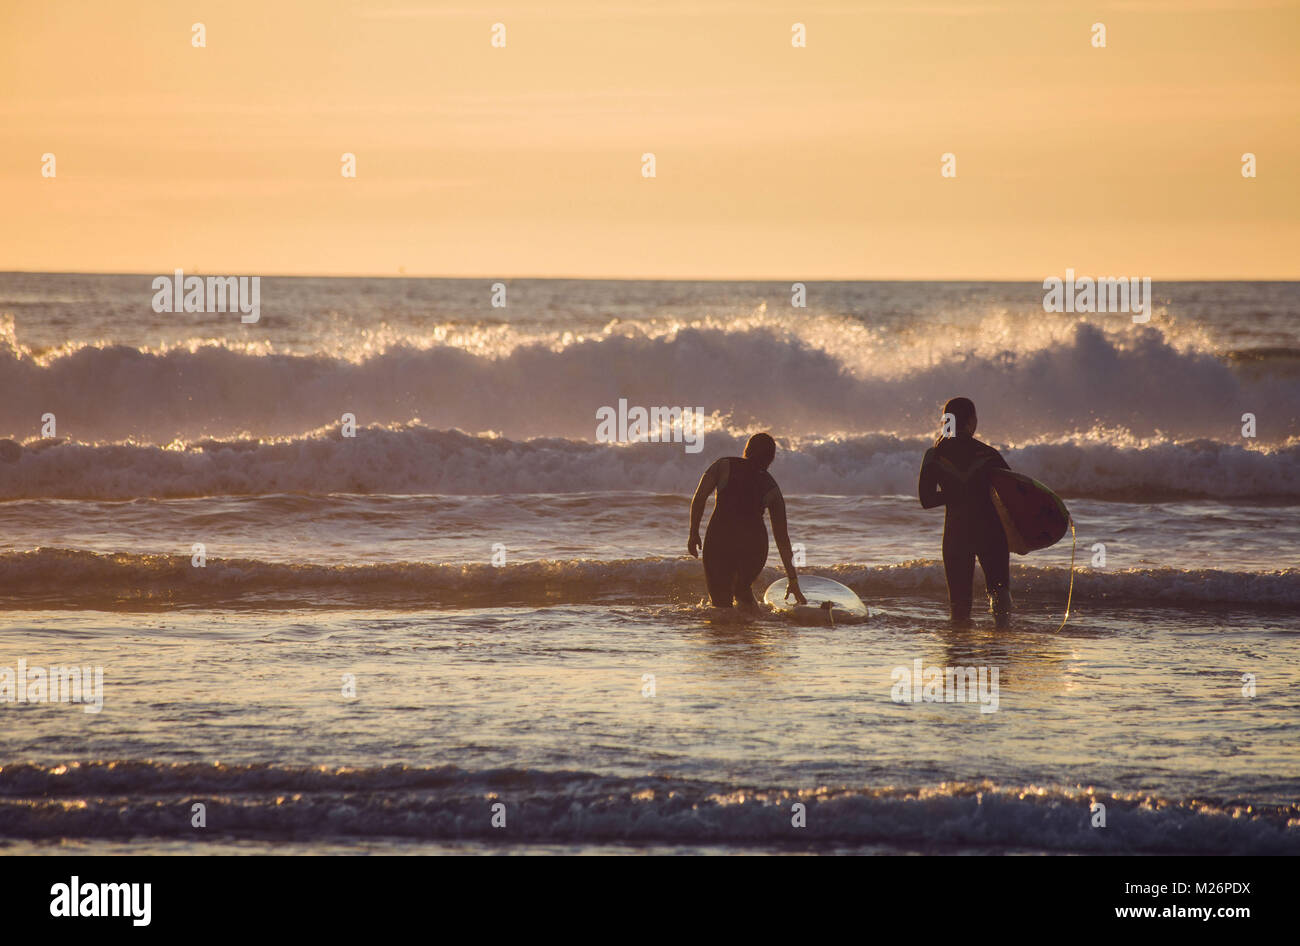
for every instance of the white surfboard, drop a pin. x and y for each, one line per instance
(829, 602)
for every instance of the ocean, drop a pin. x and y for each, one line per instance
(463, 623)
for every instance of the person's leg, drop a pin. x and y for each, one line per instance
(752, 560)
(995, 561)
(744, 593)
(719, 569)
(959, 569)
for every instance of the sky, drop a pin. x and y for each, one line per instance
(771, 161)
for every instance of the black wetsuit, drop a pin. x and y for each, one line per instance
(957, 477)
(735, 544)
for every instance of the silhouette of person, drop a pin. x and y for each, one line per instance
(735, 545)
(955, 475)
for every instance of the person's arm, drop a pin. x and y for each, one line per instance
(775, 503)
(927, 486)
(708, 483)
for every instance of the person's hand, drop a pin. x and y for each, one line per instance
(693, 545)
(792, 588)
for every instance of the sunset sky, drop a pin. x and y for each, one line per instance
(772, 161)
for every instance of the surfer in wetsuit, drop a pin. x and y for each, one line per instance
(735, 545)
(955, 475)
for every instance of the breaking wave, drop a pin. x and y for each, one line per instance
(421, 460)
(267, 802)
(72, 578)
(749, 374)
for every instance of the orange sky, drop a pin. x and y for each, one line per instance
(773, 162)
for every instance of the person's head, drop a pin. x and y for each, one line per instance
(761, 448)
(963, 411)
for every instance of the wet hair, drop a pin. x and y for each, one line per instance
(761, 448)
(962, 409)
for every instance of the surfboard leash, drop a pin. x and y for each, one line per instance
(1069, 598)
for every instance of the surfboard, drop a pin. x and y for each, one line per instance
(829, 602)
(1032, 515)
